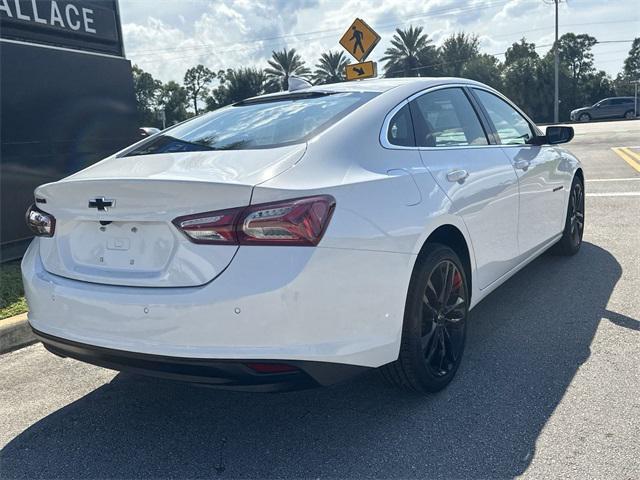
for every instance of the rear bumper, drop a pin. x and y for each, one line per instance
(286, 303)
(217, 373)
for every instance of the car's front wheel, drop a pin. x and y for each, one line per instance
(435, 323)
(584, 117)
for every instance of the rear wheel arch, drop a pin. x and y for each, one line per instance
(450, 236)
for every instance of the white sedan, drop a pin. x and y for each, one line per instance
(298, 238)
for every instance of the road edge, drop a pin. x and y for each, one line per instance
(15, 333)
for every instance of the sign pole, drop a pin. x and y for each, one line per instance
(556, 60)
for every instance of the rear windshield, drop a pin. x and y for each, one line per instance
(265, 123)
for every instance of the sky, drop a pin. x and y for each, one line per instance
(165, 37)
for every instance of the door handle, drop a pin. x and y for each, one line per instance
(522, 164)
(457, 176)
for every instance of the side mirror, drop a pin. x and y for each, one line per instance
(555, 135)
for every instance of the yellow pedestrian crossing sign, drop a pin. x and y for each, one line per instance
(359, 39)
(357, 71)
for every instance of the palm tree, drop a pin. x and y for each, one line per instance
(456, 51)
(284, 64)
(236, 85)
(411, 54)
(331, 68)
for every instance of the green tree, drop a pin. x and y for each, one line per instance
(520, 51)
(631, 67)
(630, 71)
(576, 55)
(456, 51)
(330, 68)
(576, 58)
(411, 54)
(596, 86)
(196, 82)
(147, 90)
(174, 101)
(283, 64)
(523, 78)
(484, 68)
(239, 84)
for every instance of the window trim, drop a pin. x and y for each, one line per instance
(489, 128)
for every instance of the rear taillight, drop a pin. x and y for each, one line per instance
(210, 227)
(42, 224)
(297, 222)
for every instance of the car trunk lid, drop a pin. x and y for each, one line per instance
(126, 236)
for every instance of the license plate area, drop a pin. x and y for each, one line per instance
(120, 246)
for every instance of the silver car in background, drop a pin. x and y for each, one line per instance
(614, 107)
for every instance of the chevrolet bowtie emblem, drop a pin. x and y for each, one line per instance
(102, 204)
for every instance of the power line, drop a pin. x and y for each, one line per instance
(434, 13)
(154, 61)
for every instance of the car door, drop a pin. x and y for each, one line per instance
(541, 179)
(475, 175)
(604, 109)
(621, 106)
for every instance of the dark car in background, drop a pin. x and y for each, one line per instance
(613, 107)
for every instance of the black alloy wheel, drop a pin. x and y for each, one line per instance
(435, 323)
(576, 214)
(443, 319)
(571, 239)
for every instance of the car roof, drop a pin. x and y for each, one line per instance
(378, 85)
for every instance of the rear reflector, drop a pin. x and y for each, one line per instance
(271, 367)
(297, 222)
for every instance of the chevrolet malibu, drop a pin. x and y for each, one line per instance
(296, 239)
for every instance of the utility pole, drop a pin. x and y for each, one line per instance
(556, 59)
(635, 102)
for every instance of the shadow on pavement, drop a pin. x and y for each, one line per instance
(526, 342)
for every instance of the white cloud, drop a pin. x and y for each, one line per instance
(165, 37)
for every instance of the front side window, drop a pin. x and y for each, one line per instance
(512, 128)
(260, 123)
(445, 118)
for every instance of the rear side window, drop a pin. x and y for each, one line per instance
(512, 128)
(445, 118)
(401, 129)
(261, 123)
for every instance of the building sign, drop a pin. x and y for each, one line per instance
(357, 71)
(91, 25)
(359, 40)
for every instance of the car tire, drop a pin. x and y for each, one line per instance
(571, 240)
(629, 115)
(584, 117)
(434, 331)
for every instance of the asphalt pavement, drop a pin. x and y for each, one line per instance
(549, 386)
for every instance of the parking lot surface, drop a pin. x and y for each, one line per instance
(549, 386)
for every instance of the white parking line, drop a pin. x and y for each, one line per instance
(614, 194)
(634, 179)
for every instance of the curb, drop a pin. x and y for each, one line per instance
(15, 333)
